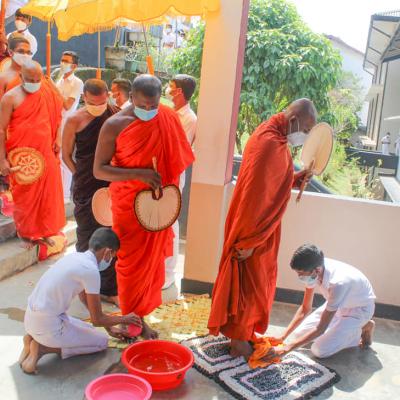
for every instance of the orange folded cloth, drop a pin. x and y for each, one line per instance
(262, 346)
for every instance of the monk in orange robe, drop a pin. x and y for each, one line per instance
(127, 143)
(245, 287)
(30, 115)
(20, 51)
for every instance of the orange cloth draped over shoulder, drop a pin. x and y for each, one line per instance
(243, 292)
(32, 132)
(141, 259)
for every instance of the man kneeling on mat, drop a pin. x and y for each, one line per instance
(49, 329)
(344, 320)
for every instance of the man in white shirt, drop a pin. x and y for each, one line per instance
(344, 320)
(386, 144)
(71, 89)
(22, 22)
(120, 93)
(49, 328)
(180, 90)
(169, 39)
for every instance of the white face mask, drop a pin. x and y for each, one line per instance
(65, 68)
(31, 87)
(297, 138)
(20, 25)
(21, 59)
(112, 101)
(309, 281)
(96, 111)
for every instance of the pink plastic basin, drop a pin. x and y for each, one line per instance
(161, 363)
(118, 387)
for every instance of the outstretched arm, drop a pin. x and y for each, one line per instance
(105, 150)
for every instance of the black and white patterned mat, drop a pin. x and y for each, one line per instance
(296, 377)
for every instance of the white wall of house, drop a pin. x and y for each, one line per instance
(391, 103)
(353, 62)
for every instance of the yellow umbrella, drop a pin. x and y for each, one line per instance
(94, 15)
(76, 17)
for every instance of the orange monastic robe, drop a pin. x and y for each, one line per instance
(38, 206)
(243, 292)
(141, 258)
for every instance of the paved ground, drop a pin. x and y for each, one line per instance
(366, 375)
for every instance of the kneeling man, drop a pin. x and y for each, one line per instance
(344, 320)
(49, 329)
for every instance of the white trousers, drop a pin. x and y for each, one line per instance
(171, 262)
(344, 330)
(66, 176)
(71, 335)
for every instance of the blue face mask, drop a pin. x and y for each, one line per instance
(103, 264)
(309, 281)
(145, 115)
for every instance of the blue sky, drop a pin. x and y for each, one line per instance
(347, 19)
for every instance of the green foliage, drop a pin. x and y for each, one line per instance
(284, 60)
(344, 176)
(345, 103)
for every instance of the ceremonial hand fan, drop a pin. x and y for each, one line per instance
(101, 207)
(316, 151)
(27, 164)
(158, 209)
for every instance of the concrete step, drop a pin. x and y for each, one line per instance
(7, 226)
(14, 258)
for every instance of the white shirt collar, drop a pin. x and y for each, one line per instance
(70, 78)
(126, 104)
(91, 256)
(184, 109)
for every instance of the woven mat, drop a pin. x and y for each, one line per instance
(178, 320)
(296, 377)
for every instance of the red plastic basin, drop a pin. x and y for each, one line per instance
(118, 387)
(161, 363)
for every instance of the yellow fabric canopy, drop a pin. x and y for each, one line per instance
(76, 17)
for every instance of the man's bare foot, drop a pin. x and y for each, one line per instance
(366, 334)
(241, 348)
(25, 351)
(27, 244)
(29, 364)
(147, 332)
(48, 241)
(110, 299)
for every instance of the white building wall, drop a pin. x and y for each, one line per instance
(353, 62)
(391, 103)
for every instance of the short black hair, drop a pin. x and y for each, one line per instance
(187, 83)
(148, 85)
(73, 55)
(15, 39)
(124, 85)
(306, 258)
(104, 238)
(20, 14)
(96, 87)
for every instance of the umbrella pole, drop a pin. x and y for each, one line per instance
(48, 50)
(149, 60)
(3, 42)
(98, 71)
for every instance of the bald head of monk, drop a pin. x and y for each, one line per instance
(301, 115)
(95, 95)
(31, 74)
(146, 94)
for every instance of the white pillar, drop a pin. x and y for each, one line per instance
(221, 77)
